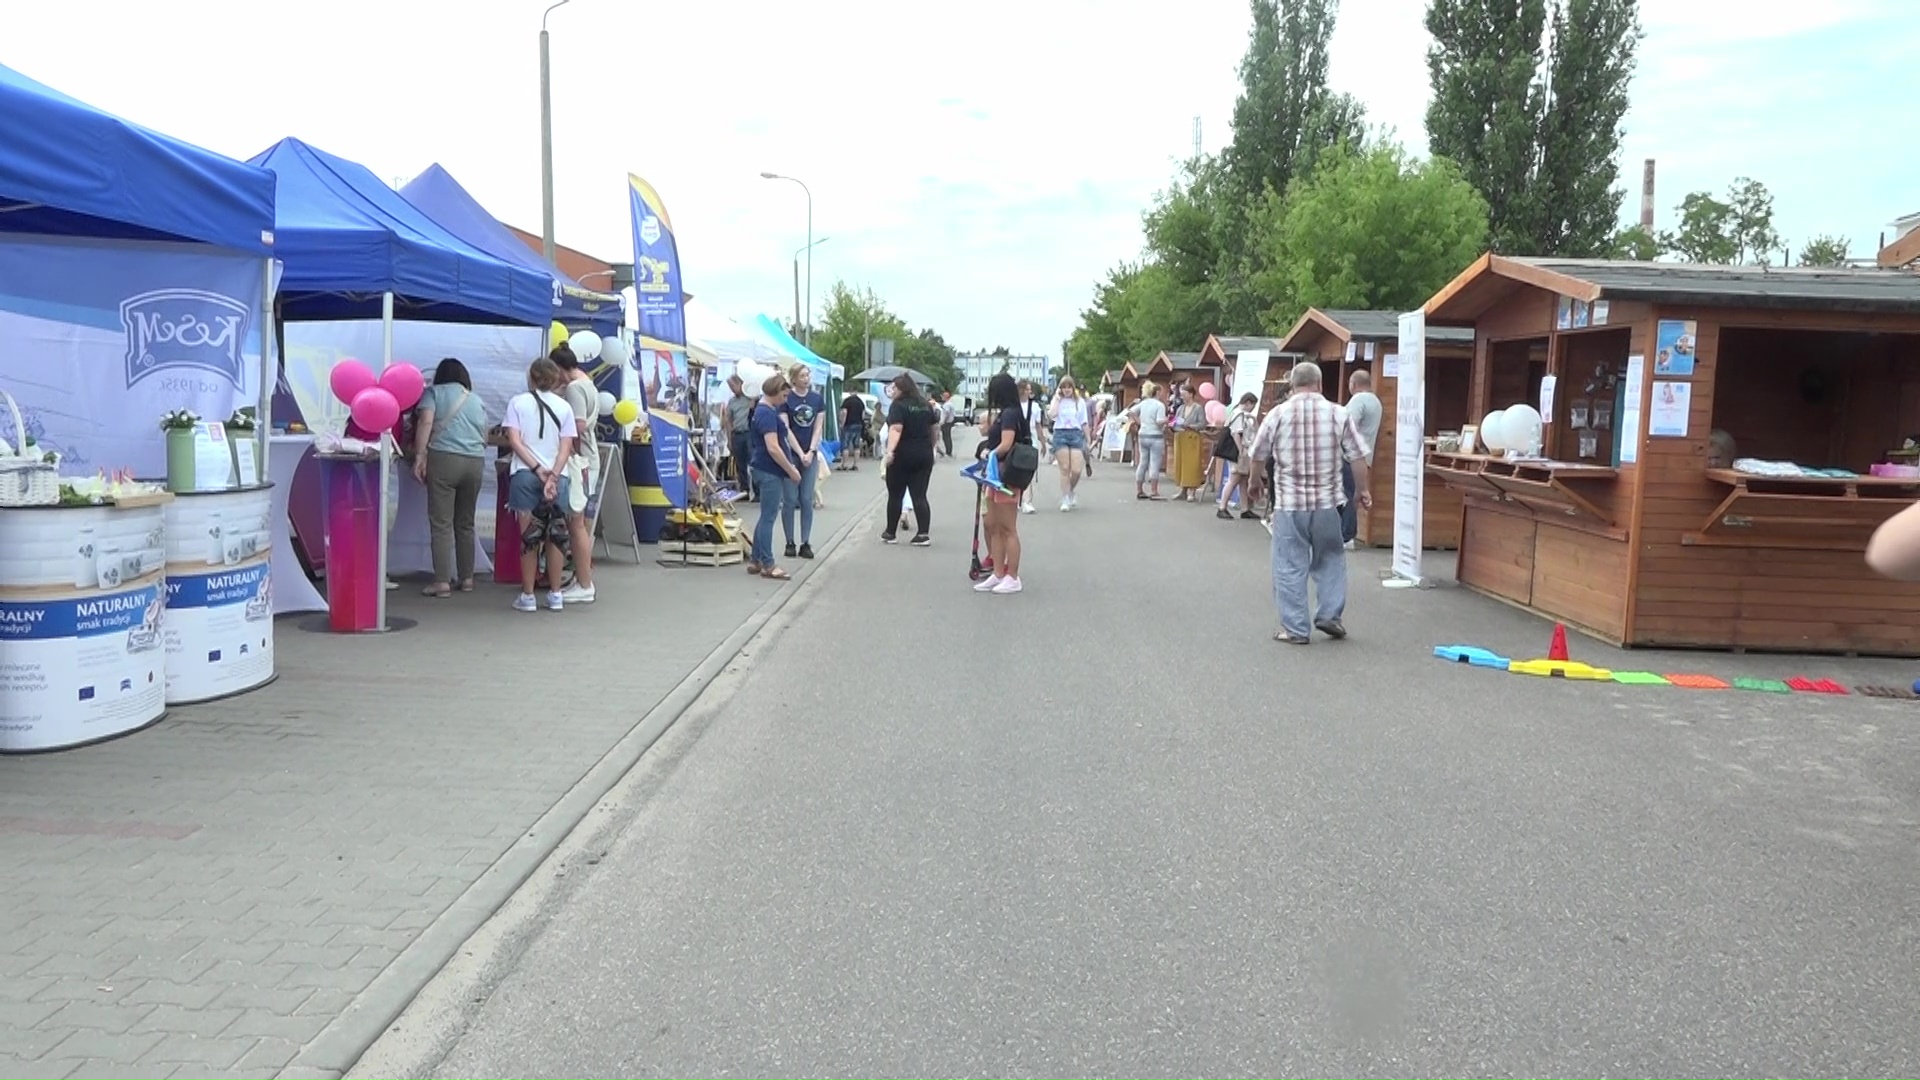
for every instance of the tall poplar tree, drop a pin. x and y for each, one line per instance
(1576, 204)
(1485, 115)
(1284, 118)
(1532, 118)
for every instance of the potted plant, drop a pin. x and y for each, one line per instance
(243, 426)
(178, 425)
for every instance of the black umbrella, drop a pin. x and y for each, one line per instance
(888, 373)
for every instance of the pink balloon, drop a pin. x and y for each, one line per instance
(1208, 391)
(375, 409)
(1216, 414)
(405, 383)
(348, 378)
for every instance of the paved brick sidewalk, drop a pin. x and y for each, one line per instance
(203, 898)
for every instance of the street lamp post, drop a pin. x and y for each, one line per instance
(806, 327)
(808, 251)
(546, 138)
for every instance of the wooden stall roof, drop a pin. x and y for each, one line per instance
(1137, 370)
(1179, 361)
(1114, 378)
(1491, 277)
(1346, 324)
(1220, 351)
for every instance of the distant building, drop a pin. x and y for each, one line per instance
(977, 368)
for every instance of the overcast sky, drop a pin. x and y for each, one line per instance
(978, 165)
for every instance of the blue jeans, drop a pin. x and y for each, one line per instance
(776, 494)
(1306, 543)
(1350, 510)
(809, 476)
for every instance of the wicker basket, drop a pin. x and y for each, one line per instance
(25, 480)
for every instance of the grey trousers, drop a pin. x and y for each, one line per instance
(453, 487)
(1150, 460)
(1306, 543)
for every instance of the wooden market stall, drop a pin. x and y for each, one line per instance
(1705, 471)
(1223, 354)
(1371, 339)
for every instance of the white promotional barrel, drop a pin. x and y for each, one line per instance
(219, 624)
(82, 591)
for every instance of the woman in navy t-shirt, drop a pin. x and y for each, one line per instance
(775, 472)
(804, 411)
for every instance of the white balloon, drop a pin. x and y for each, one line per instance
(1490, 432)
(615, 351)
(752, 375)
(586, 344)
(1522, 428)
(607, 402)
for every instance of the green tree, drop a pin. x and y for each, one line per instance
(1099, 344)
(1824, 250)
(1730, 232)
(1534, 119)
(1753, 231)
(929, 354)
(1370, 229)
(1285, 114)
(1635, 242)
(852, 317)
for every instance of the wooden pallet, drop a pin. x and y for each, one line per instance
(702, 554)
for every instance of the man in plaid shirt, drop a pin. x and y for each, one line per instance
(1307, 438)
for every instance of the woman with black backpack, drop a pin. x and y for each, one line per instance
(1010, 440)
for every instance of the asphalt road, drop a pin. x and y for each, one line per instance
(1107, 827)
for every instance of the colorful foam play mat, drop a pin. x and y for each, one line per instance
(1560, 668)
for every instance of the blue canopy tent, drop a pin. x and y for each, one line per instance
(353, 248)
(112, 197)
(438, 195)
(69, 169)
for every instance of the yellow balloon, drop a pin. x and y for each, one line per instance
(626, 412)
(557, 334)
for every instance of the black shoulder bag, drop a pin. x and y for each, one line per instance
(1023, 461)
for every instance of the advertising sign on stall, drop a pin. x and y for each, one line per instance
(1409, 449)
(219, 626)
(103, 339)
(81, 599)
(663, 332)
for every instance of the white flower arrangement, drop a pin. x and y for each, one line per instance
(179, 420)
(246, 419)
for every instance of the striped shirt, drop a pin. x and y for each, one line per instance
(1307, 437)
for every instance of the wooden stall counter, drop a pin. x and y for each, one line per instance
(1806, 513)
(1552, 489)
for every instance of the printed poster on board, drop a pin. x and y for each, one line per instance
(1674, 341)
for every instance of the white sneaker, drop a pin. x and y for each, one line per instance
(576, 594)
(1352, 545)
(1008, 585)
(1026, 508)
(987, 585)
(525, 602)
(555, 601)
(1066, 505)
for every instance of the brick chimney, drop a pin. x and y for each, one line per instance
(1646, 196)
